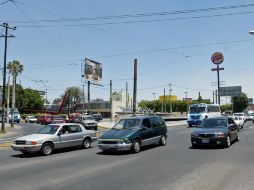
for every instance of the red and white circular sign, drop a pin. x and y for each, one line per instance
(217, 58)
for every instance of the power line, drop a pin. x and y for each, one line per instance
(138, 21)
(5, 2)
(126, 16)
(44, 34)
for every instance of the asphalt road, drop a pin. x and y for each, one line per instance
(173, 167)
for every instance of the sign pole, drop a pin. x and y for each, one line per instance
(218, 79)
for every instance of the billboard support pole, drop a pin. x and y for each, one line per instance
(111, 103)
(218, 80)
(135, 86)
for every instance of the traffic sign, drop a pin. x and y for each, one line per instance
(41, 92)
(217, 58)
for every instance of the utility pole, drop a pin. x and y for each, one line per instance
(6, 36)
(8, 99)
(186, 95)
(170, 101)
(135, 86)
(216, 96)
(83, 109)
(213, 97)
(88, 91)
(154, 95)
(111, 102)
(126, 94)
(164, 102)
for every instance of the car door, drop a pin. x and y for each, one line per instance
(233, 128)
(156, 129)
(65, 138)
(76, 134)
(146, 132)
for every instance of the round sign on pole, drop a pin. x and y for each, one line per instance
(217, 58)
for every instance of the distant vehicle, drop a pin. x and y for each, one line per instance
(250, 117)
(57, 119)
(87, 121)
(97, 117)
(228, 112)
(238, 120)
(133, 133)
(30, 119)
(241, 114)
(44, 119)
(215, 131)
(197, 112)
(55, 136)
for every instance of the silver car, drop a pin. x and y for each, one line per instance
(55, 136)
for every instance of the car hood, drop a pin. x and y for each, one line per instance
(34, 137)
(211, 130)
(118, 133)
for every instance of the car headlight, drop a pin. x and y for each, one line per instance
(99, 140)
(31, 143)
(194, 134)
(220, 135)
(125, 140)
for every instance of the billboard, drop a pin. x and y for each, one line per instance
(250, 101)
(167, 98)
(230, 91)
(93, 70)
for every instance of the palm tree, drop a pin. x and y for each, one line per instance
(14, 68)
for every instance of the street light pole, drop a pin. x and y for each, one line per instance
(186, 95)
(153, 95)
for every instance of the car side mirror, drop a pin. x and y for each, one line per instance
(60, 133)
(144, 128)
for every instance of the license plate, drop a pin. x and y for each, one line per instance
(205, 141)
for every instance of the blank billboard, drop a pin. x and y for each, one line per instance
(230, 91)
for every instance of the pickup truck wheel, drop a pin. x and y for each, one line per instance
(136, 146)
(163, 140)
(47, 148)
(86, 143)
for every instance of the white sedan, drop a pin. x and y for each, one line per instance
(30, 119)
(239, 121)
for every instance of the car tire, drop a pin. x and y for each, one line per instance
(163, 140)
(237, 137)
(228, 142)
(136, 146)
(47, 148)
(190, 125)
(86, 143)
(194, 146)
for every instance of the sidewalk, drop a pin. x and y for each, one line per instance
(10, 133)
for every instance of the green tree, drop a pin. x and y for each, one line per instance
(34, 101)
(240, 102)
(225, 107)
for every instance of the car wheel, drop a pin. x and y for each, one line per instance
(228, 142)
(136, 146)
(47, 148)
(237, 136)
(190, 125)
(194, 146)
(86, 143)
(163, 140)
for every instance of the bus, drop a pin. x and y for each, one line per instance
(197, 112)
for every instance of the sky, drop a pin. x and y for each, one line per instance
(172, 40)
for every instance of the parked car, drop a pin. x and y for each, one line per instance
(57, 119)
(134, 133)
(55, 136)
(97, 117)
(87, 121)
(30, 119)
(44, 119)
(215, 131)
(238, 120)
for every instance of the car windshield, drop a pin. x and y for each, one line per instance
(196, 109)
(32, 117)
(88, 118)
(49, 129)
(214, 123)
(128, 124)
(235, 118)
